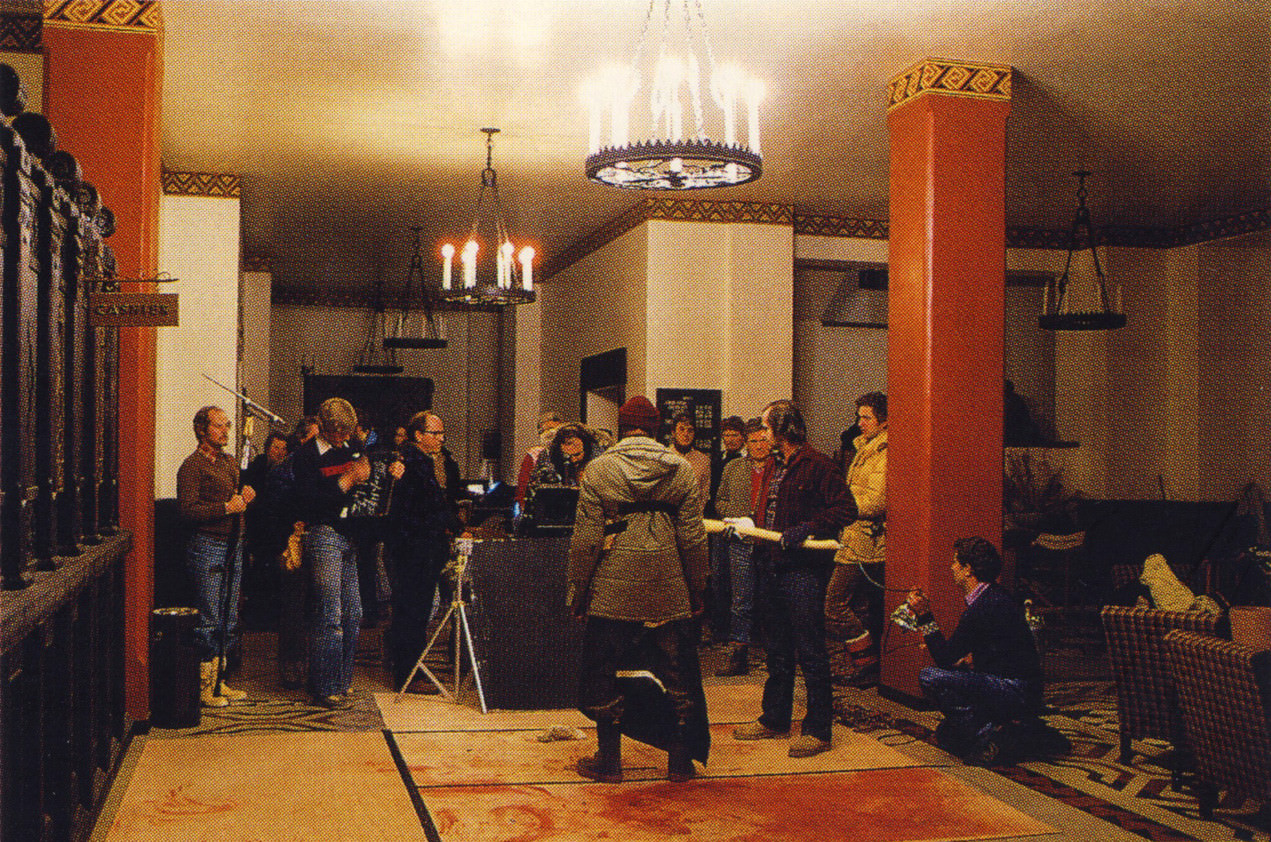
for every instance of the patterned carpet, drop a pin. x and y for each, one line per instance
(1137, 797)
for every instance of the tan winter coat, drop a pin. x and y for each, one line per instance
(644, 572)
(865, 539)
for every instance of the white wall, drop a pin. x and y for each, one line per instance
(254, 371)
(199, 245)
(833, 365)
(595, 305)
(720, 305)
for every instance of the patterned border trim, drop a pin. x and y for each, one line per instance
(357, 299)
(219, 185)
(696, 210)
(838, 226)
(21, 33)
(682, 210)
(114, 15)
(951, 78)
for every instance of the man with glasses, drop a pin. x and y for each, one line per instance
(210, 500)
(422, 518)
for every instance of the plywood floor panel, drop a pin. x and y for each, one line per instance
(325, 787)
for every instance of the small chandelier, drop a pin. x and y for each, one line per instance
(377, 356)
(414, 327)
(1058, 311)
(674, 160)
(509, 286)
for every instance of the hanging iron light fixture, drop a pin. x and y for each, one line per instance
(376, 356)
(414, 326)
(673, 158)
(509, 285)
(1060, 309)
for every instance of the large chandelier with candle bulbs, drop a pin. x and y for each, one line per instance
(676, 154)
(513, 281)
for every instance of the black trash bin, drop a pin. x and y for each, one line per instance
(174, 668)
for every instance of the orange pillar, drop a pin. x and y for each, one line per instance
(947, 267)
(103, 79)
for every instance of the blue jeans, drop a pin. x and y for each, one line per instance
(742, 576)
(792, 599)
(337, 610)
(205, 558)
(975, 702)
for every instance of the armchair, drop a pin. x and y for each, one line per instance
(1146, 701)
(1224, 691)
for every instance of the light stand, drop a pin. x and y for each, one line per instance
(458, 612)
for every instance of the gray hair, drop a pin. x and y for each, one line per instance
(336, 416)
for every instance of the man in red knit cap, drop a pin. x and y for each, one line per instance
(637, 573)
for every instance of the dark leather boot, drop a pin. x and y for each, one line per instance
(606, 764)
(679, 766)
(738, 662)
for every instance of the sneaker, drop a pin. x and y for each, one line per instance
(337, 701)
(757, 731)
(808, 745)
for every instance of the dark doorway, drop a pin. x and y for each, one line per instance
(387, 401)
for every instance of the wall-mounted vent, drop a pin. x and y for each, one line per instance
(860, 299)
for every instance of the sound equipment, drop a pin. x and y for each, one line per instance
(371, 498)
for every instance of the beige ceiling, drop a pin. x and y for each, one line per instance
(350, 120)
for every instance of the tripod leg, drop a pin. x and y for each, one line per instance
(419, 662)
(472, 656)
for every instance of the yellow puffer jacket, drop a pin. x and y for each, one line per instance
(865, 540)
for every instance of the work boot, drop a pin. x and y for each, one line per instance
(228, 692)
(840, 661)
(863, 651)
(207, 686)
(679, 766)
(606, 764)
(738, 662)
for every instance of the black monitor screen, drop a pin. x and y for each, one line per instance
(554, 505)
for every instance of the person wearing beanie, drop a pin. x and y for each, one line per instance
(637, 574)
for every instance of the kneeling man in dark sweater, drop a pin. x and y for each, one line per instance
(987, 680)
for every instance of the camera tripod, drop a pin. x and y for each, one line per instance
(461, 633)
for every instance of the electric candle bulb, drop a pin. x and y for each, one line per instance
(447, 257)
(469, 259)
(505, 260)
(527, 268)
(756, 90)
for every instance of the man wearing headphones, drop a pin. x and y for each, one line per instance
(806, 497)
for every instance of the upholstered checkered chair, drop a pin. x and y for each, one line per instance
(1224, 691)
(1146, 705)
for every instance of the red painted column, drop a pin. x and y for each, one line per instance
(946, 260)
(103, 80)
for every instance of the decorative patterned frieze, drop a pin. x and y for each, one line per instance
(839, 226)
(698, 210)
(21, 32)
(680, 210)
(950, 78)
(219, 185)
(359, 299)
(118, 15)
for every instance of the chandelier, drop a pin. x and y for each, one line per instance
(1062, 308)
(510, 285)
(674, 158)
(377, 357)
(414, 325)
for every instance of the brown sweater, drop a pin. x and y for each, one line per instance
(205, 483)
